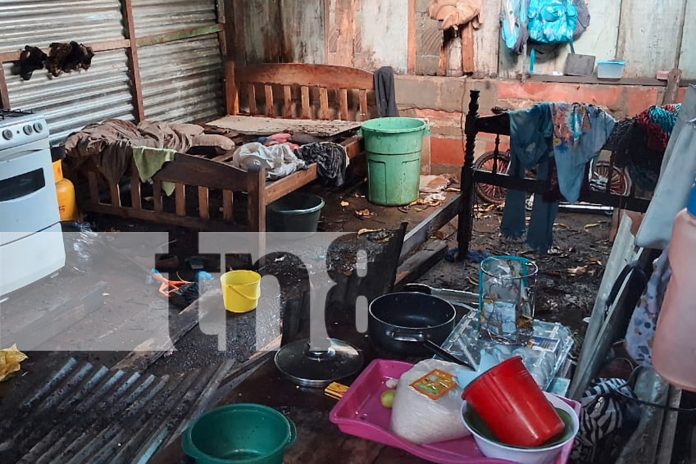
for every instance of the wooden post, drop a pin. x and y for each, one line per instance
(468, 47)
(133, 62)
(4, 94)
(412, 53)
(466, 212)
(231, 90)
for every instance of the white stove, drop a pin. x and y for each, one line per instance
(31, 241)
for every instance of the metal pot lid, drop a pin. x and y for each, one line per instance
(318, 369)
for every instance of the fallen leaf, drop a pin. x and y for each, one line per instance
(593, 225)
(344, 204)
(577, 271)
(368, 231)
(10, 360)
(364, 213)
(561, 225)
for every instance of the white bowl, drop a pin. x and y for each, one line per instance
(544, 455)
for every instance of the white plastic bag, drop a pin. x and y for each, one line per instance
(422, 420)
(278, 160)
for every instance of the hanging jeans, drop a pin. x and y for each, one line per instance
(531, 131)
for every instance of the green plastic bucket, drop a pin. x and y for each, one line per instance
(297, 212)
(393, 147)
(239, 434)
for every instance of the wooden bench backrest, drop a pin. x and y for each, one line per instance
(300, 91)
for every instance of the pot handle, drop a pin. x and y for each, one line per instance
(446, 355)
(400, 336)
(293, 435)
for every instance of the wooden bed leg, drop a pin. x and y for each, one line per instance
(203, 203)
(466, 212)
(227, 205)
(256, 198)
(180, 199)
(93, 182)
(136, 198)
(157, 196)
(256, 192)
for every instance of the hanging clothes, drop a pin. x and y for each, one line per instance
(530, 146)
(149, 161)
(571, 135)
(385, 93)
(641, 328)
(579, 133)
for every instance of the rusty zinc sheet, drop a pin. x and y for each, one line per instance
(84, 413)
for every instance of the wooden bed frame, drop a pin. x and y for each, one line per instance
(291, 91)
(500, 125)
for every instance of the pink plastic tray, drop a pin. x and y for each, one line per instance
(361, 414)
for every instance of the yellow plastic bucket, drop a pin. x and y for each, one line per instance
(241, 290)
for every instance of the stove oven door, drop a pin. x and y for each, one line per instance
(28, 201)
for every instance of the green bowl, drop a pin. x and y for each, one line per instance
(480, 427)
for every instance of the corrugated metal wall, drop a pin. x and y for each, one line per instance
(73, 100)
(182, 81)
(40, 22)
(158, 16)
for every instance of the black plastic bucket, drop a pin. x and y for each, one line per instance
(297, 212)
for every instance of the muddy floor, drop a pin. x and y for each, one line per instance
(569, 276)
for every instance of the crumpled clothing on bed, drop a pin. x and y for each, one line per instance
(110, 142)
(278, 160)
(331, 158)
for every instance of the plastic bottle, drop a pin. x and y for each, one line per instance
(674, 347)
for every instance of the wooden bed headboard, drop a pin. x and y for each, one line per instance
(300, 91)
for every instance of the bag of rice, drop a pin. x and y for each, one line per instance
(428, 402)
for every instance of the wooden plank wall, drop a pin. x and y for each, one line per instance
(687, 57)
(368, 34)
(303, 31)
(649, 36)
(340, 31)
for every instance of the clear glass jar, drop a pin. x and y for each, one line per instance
(507, 298)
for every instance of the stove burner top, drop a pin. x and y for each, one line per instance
(6, 114)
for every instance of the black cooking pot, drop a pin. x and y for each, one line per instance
(406, 323)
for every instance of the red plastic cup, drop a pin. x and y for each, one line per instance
(513, 406)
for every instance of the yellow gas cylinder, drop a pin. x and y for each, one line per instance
(66, 194)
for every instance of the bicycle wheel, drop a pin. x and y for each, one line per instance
(491, 193)
(599, 176)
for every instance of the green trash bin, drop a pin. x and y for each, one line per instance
(393, 147)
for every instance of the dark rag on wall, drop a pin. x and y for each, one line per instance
(385, 92)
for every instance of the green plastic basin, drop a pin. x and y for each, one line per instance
(239, 434)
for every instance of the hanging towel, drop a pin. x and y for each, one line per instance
(149, 161)
(385, 93)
